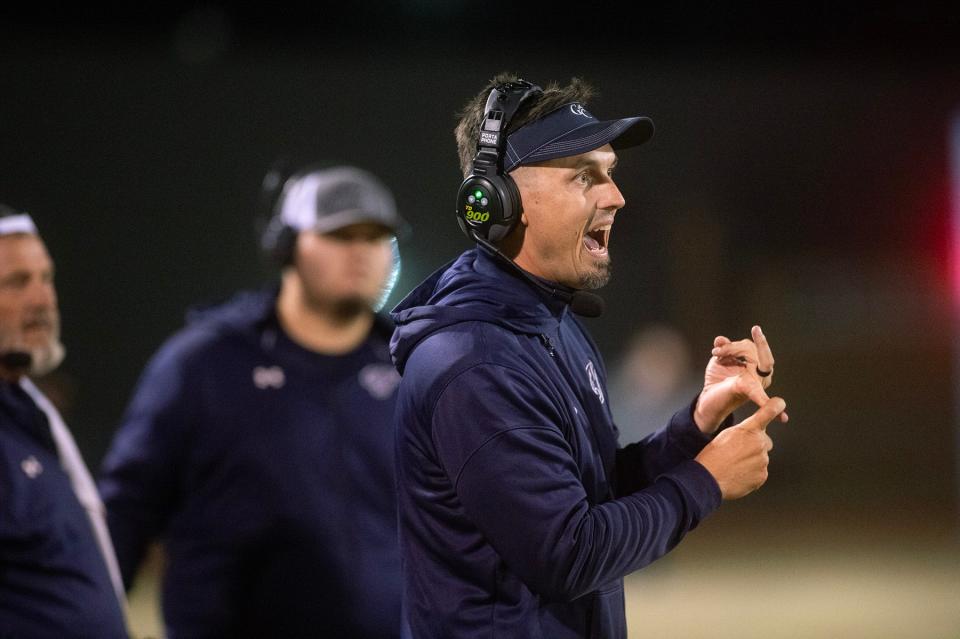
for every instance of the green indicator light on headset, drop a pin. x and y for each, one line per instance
(479, 194)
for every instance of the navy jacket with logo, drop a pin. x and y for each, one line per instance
(267, 470)
(519, 512)
(54, 583)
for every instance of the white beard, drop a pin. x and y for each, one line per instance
(45, 359)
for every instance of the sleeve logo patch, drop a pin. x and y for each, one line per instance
(594, 381)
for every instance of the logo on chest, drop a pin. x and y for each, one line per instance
(594, 380)
(379, 380)
(268, 377)
(31, 467)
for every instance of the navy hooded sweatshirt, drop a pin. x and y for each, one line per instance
(520, 514)
(54, 583)
(267, 470)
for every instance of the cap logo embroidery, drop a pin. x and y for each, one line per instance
(31, 467)
(265, 377)
(594, 381)
(577, 109)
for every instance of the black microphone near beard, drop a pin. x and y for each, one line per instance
(582, 303)
(16, 360)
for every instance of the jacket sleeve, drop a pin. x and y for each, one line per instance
(516, 477)
(139, 479)
(639, 464)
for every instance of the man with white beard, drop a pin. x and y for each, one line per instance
(58, 573)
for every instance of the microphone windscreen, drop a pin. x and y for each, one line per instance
(587, 304)
(16, 360)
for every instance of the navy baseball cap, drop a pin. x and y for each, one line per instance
(572, 130)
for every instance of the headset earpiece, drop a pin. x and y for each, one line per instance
(275, 236)
(488, 202)
(489, 206)
(279, 241)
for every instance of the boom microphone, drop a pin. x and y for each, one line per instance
(587, 304)
(582, 303)
(16, 360)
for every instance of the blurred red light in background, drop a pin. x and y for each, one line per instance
(953, 229)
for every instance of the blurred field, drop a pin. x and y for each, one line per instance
(796, 586)
(802, 578)
(144, 599)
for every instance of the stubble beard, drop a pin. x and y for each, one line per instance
(349, 308)
(341, 310)
(597, 278)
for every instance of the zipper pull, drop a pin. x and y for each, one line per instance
(548, 345)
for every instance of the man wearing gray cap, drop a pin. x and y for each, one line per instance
(258, 444)
(520, 512)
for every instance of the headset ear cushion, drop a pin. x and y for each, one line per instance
(498, 215)
(279, 241)
(286, 246)
(510, 207)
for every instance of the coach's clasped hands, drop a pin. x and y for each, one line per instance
(731, 379)
(738, 457)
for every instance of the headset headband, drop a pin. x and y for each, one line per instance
(502, 105)
(488, 202)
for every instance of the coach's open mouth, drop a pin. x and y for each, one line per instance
(596, 240)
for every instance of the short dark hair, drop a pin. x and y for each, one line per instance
(471, 115)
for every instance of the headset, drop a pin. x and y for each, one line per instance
(488, 203)
(277, 238)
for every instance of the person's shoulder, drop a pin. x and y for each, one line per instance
(240, 310)
(210, 328)
(190, 346)
(460, 346)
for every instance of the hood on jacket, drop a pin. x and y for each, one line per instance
(473, 287)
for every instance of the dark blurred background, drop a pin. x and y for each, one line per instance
(799, 179)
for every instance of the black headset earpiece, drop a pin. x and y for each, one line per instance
(279, 240)
(276, 238)
(488, 202)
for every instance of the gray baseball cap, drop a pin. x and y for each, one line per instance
(328, 199)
